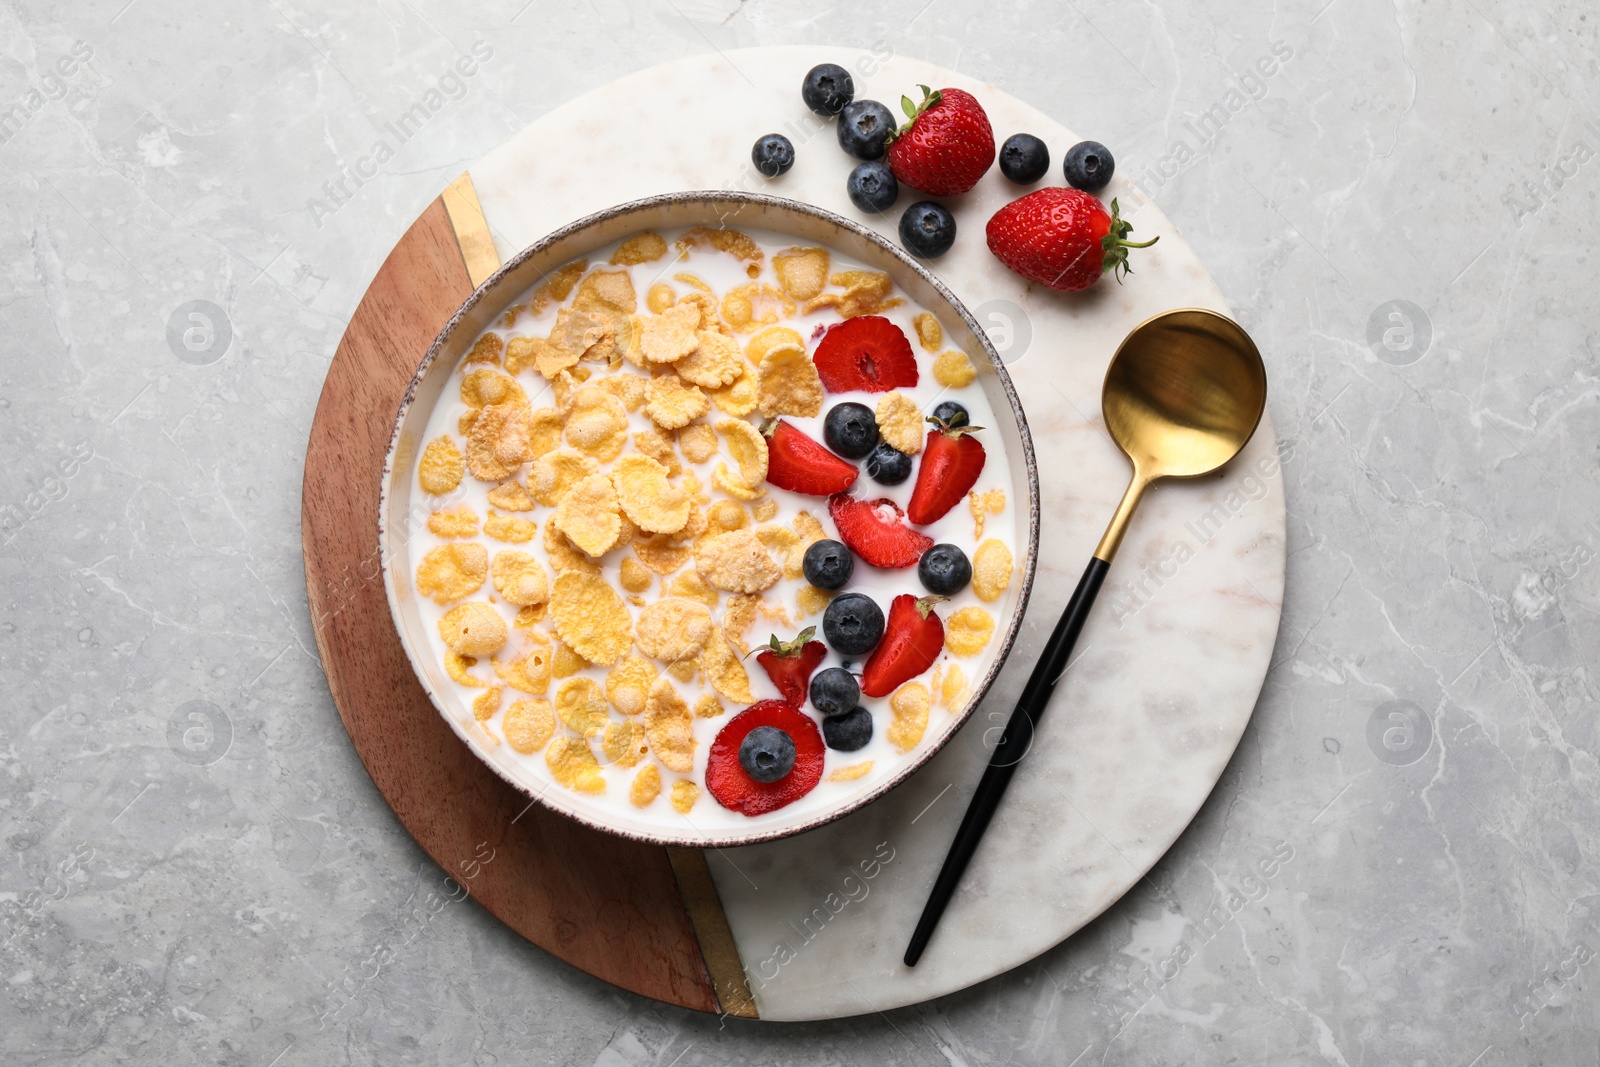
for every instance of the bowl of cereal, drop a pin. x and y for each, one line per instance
(708, 518)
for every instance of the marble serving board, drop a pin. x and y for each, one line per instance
(1166, 673)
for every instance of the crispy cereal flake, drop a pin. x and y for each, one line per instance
(509, 528)
(738, 399)
(529, 725)
(900, 422)
(591, 618)
(553, 473)
(624, 744)
(529, 674)
(698, 441)
(636, 577)
(802, 272)
(684, 794)
(519, 578)
(671, 402)
(724, 479)
(572, 763)
(991, 502)
(485, 349)
(736, 620)
(669, 726)
(644, 247)
(991, 570)
(563, 554)
(910, 704)
(766, 510)
(660, 297)
(590, 515)
(452, 571)
(486, 703)
(483, 387)
(646, 786)
(673, 629)
(662, 553)
(754, 305)
(457, 666)
(929, 332)
(724, 670)
(735, 562)
(968, 630)
(736, 244)
(789, 384)
(715, 361)
(689, 584)
(811, 600)
(708, 706)
(953, 688)
(651, 503)
(564, 662)
(440, 469)
(671, 335)
(850, 773)
(598, 424)
(748, 448)
(953, 370)
(582, 706)
(511, 496)
(473, 629)
(629, 682)
(497, 444)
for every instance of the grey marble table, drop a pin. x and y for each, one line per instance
(1401, 212)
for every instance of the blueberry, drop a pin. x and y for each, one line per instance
(766, 753)
(835, 691)
(944, 569)
(888, 465)
(1088, 166)
(872, 187)
(848, 732)
(773, 154)
(853, 624)
(952, 414)
(1024, 158)
(828, 564)
(927, 229)
(827, 89)
(851, 430)
(863, 126)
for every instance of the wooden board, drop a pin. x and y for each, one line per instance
(611, 907)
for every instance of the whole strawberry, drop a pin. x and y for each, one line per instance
(945, 146)
(1062, 238)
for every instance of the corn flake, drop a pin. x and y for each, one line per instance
(635, 577)
(646, 786)
(607, 290)
(497, 444)
(563, 554)
(788, 383)
(484, 387)
(590, 617)
(689, 584)
(623, 743)
(802, 272)
(555, 472)
(953, 370)
(850, 773)
(473, 629)
(953, 689)
(684, 794)
(519, 578)
(564, 662)
(598, 424)
(529, 673)
(910, 704)
(865, 293)
(582, 706)
(440, 469)
(698, 441)
(660, 298)
(459, 521)
(900, 422)
(991, 570)
(651, 502)
(673, 629)
(529, 617)
(509, 528)
(748, 447)
(669, 726)
(590, 515)
(968, 630)
(529, 725)
(735, 562)
(640, 248)
(457, 666)
(736, 620)
(736, 244)
(754, 305)
(671, 402)
(671, 335)
(572, 763)
(662, 553)
(929, 332)
(485, 704)
(708, 707)
(452, 571)
(485, 349)
(991, 502)
(765, 510)
(511, 496)
(629, 682)
(811, 600)
(684, 670)
(724, 670)
(739, 399)
(714, 363)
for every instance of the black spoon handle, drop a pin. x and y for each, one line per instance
(1013, 746)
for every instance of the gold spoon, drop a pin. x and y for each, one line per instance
(1182, 396)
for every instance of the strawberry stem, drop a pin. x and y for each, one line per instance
(930, 97)
(925, 604)
(1115, 245)
(787, 649)
(948, 430)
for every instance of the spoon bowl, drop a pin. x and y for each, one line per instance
(1184, 393)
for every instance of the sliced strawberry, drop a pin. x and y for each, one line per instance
(911, 642)
(875, 531)
(867, 352)
(789, 664)
(951, 462)
(728, 781)
(797, 463)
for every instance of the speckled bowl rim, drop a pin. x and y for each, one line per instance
(737, 200)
